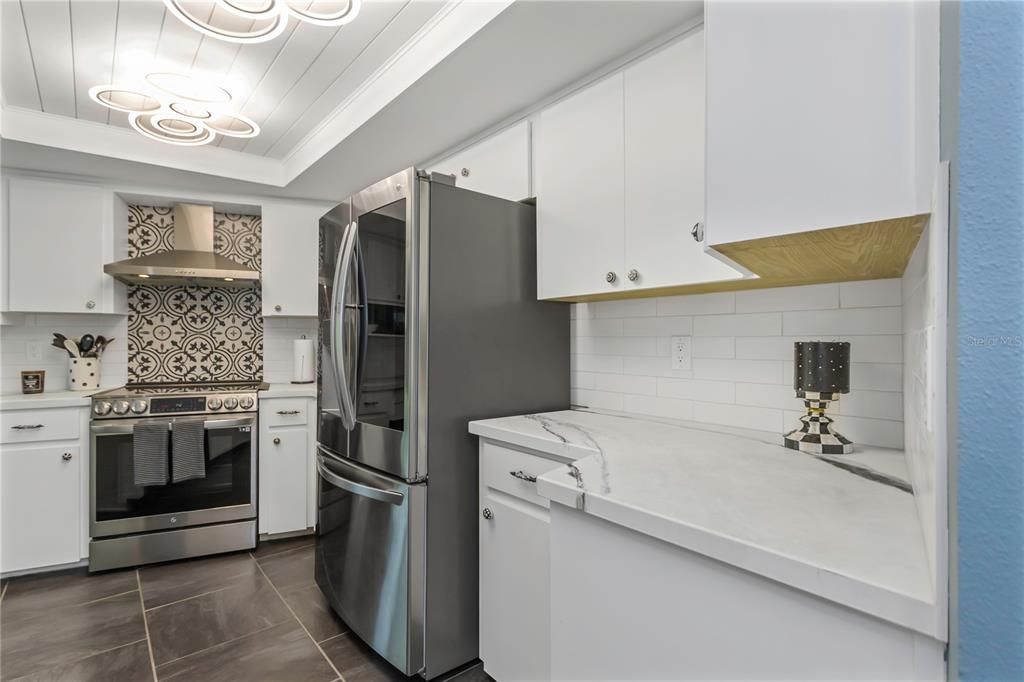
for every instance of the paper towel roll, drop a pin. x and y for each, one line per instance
(303, 369)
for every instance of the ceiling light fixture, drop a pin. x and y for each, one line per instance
(176, 109)
(257, 21)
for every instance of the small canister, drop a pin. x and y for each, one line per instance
(84, 374)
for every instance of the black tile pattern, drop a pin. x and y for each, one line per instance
(178, 333)
(240, 616)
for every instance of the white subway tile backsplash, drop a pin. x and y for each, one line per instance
(748, 324)
(697, 389)
(870, 293)
(742, 343)
(669, 408)
(754, 371)
(658, 326)
(813, 297)
(698, 304)
(861, 321)
(714, 347)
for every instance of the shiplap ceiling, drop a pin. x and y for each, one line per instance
(53, 51)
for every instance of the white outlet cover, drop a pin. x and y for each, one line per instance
(682, 352)
(34, 350)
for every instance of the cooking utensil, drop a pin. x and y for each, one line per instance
(72, 348)
(85, 345)
(60, 344)
(101, 345)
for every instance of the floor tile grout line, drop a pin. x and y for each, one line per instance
(277, 554)
(78, 660)
(3, 593)
(194, 596)
(145, 624)
(220, 644)
(299, 621)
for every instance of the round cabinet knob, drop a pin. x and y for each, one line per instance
(121, 407)
(230, 403)
(213, 403)
(465, 172)
(633, 275)
(697, 232)
(246, 402)
(90, 304)
(488, 514)
(139, 406)
(277, 441)
(66, 457)
(101, 407)
(277, 308)
(610, 277)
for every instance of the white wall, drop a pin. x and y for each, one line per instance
(742, 370)
(278, 334)
(16, 342)
(924, 382)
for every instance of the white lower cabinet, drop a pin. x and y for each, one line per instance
(515, 593)
(287, 473)
(42, 506)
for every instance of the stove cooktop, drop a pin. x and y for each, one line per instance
(153, 400)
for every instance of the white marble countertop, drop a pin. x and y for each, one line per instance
(20, 401)
(738, 496)
(289, 390)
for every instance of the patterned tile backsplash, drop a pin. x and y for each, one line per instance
(179, 333)
(742, 356)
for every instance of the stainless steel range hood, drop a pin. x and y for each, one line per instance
(191, 262)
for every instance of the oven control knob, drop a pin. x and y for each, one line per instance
(121, 407)
(213, 403)
(139, 406)
(245, 402)
(100, 408)
(230, 403)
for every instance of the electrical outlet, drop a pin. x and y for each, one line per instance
(682, 352)
(34, 350)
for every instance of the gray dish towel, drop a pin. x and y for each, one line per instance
(188, 451)
(149, 444)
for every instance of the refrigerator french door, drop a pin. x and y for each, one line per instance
(429, 319)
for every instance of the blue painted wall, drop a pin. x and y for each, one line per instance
(991, 341)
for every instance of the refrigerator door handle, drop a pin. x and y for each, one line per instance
(341, 378)
(388, 496)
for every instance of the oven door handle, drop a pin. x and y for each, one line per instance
(127, 426)
(388, 496)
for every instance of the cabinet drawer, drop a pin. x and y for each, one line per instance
(285, 411)
(35, 426)
(499, 464)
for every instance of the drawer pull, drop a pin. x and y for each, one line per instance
(30, 427)
(371, 402)
(66, 457)
(522, 476)
(277, 441)
(287, 412)
(487, 514)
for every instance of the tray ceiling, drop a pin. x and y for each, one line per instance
(293, 86)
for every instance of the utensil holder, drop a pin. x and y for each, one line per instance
(84, 374)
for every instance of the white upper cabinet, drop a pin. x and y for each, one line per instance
(578, 147)
(664, 177)
(499, 165)
(290, 248)
(59, 237)
(819, 114)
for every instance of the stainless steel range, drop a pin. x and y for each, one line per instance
(134, 523)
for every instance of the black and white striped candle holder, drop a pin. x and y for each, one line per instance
(821, 372)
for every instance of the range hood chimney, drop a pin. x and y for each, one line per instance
(191, 262)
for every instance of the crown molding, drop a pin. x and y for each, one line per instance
(452, 26)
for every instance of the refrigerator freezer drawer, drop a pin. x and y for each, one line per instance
(369, 557)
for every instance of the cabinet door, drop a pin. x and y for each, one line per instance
(579, 166)
(289, 260)
(499, 165)
(284, 467)
(41, 506)
(664, 161)
(57, 241)
(515, 620)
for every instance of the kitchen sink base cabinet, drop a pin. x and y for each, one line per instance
(628, 606)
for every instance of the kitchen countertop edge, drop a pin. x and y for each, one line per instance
(48, 399)
(289, 390)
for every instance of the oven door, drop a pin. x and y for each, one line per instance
(226, 493)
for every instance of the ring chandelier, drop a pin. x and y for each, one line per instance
(261, 20)
(176, 109)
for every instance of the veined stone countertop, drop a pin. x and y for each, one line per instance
(48, 399)
(844, 528)
(288, 390)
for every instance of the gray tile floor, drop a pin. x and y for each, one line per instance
(243, 616)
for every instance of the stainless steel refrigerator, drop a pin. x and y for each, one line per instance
(428, 319)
